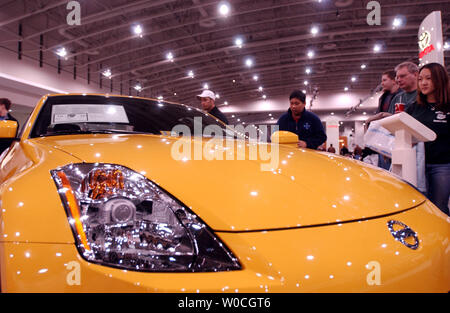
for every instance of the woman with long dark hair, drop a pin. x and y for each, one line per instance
(432, 109)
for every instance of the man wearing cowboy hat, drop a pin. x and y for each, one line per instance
(207, 99)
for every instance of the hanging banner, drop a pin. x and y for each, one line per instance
(431, 44)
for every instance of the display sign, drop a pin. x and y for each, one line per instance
(88, 113)
(431, 47)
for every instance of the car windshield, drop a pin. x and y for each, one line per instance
(70, 115)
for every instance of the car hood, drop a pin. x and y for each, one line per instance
(307, 188)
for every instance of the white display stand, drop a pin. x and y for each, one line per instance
(405, 128)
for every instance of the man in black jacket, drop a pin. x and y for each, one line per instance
(5, 105)
(305, 124)
(207, 99)
(390, 90)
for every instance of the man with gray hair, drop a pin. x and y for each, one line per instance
(406, 76)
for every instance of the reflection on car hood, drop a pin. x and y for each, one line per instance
(308, 187)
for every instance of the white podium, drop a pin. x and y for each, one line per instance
(405, 128)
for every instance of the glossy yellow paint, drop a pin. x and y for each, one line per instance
(311, 224)
(318, 259)
(284, 137)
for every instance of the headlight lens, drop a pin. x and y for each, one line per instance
(119, 218)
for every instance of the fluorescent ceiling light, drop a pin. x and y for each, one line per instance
(224, 9)
(107, 73)
(397, 22)
(138, 30)
(62, 52)
(239, 42)
(169, 56)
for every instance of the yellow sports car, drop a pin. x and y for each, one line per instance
(103, 193)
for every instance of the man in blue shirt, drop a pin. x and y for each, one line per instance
(305, 124)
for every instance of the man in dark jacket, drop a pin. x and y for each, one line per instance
(5, 105)
(207, 98)
(390, 90)
(305, 124)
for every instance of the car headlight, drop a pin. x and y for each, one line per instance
(121, 219)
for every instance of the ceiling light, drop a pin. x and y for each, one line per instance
(353, 79)
(304, 91)
(232, 116)
(308, 71)
(260, 88)
(62, 52)
(255, 77)
(346, 88)
(138, 30)
(446, 46)
(332, 113)
(310, 54)
(107, 73)
(249, 62)
(306, 83)
(191, 74)
(397, 22)
(169, 56)
(264, 97)
(239, 42)
(160, 98)
(376, 48)
(226, 103)
(234, 81)
(314, 30)
(224, 9)
(217, 96)
(363, 66)
(205, 86)
(138, 87)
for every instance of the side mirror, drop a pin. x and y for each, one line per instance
(8, 129)
(284, 137)
(8, 132)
